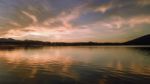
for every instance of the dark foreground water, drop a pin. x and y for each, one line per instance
(75, 65)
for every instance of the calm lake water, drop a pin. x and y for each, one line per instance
(75, 65)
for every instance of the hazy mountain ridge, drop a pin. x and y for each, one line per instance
(144, 40)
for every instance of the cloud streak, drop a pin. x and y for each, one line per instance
(32, 17)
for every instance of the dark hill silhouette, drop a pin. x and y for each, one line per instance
(9, 42)
(144, 40)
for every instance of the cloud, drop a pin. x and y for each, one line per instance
(118, 25)
(14, 33)
(104, 7)
(65, 17)
(52, 27)
(143, 2)
(34, 19)
(85, 20)
(14, 24)
(139, 20)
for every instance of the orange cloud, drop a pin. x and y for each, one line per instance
(103, 8)
(143, 2)
(139, 20)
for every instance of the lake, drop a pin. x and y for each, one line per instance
(76, 65)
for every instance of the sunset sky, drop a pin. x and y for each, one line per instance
(74, 20)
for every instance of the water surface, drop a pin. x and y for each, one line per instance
(76, 65)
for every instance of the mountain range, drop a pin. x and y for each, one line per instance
(144, 40)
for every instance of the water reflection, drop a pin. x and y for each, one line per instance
(83, 65)
(49, 60)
